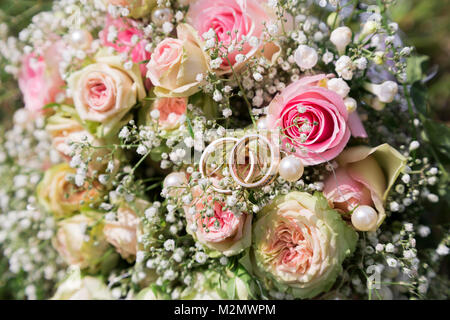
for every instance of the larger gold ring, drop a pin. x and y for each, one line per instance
(236, 157)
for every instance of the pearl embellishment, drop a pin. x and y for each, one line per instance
(161, 15)
(291, 168)
(364, 218)
(81, 39)
(175, 179)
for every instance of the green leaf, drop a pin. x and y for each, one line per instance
(205, 103)
(91, 126)
(419, 97)
(414, 68)
(191, 131)
(231, 289)
(438, 134)
(51, 106)
(156, 153)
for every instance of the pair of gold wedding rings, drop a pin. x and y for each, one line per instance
(251, 161)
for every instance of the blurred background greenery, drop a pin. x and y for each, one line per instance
(426, 24)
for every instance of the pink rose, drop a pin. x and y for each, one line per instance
(364, 177)
(345, 192)
(171, 111)
(127, 32)
(244, 16)
(105, 91)
(225, 232)
(39, 78)
(312, 120)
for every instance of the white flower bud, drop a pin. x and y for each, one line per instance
(385, 92)
(306, 57)
(341, 37)
(414, 145)
(350, 104)
(327, 57)
(370, 27)
(379, 57)
(361, 63)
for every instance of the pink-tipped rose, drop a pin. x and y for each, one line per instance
(299, 245)
(243, 18)
(129, 39)
(224, 232)
(175, 64)
(39, 78)
(364, 177)
(312, 120)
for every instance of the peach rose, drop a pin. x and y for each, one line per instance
(313, 120)
(364, 177)
(105, 91)
(39, 78)
(122, 233)
(175, 64)
(246, 17)
(224, 232)
(64, 129)
(171, 111)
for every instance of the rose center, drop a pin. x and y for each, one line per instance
(290, 248)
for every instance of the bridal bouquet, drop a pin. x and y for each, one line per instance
(209, 149)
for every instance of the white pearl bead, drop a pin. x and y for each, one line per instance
(161, 15)
(364, 218)
(291, 168)
(81, 38)
(261, 124)
(175, 179)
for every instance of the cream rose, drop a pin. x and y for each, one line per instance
(62, 197)
(103, 92)
(65, 130)
(299, 244)
(80, 241)
(175, 64)
(77, 287)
